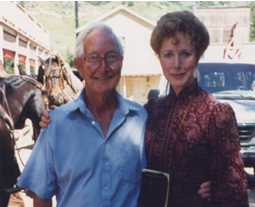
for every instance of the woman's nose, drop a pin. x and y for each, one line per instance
(177, 61)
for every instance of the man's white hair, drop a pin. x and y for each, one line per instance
(79, 49)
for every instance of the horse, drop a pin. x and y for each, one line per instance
(9, 169)
(22, 98)
(58, 79)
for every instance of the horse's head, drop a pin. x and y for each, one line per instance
(54, 79)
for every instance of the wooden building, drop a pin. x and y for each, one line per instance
(22, 38)
(221, 22)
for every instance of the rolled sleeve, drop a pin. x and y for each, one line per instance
(38, 174)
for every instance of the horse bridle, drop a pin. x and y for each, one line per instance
(53, 69)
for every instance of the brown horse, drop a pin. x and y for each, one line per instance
(9, 169)
(59, 80)
(21, 96)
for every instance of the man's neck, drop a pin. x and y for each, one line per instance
(102, 108)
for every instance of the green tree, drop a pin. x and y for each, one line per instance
(206, 3)
(9, 65)
(22, 66)
(98, 3)
(70, 58)
(22, 3)
(130, 3)
(252, 31)
(32, 70)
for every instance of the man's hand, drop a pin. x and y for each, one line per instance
(45, 119)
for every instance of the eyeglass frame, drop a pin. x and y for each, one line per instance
(101, 59)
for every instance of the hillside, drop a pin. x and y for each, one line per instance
(58, 17)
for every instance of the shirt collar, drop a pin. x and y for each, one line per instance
(125, 106)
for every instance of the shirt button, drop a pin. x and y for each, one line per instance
(93, 122)
(106, 163)
(106, 188)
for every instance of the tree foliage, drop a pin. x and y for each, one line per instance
(252, 32)
(97, 3)
(9, 65)
(70, 58)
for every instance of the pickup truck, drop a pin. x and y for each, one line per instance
(231, 82)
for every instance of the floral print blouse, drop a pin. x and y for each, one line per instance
(194, 138)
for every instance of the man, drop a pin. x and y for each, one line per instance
(92, 153)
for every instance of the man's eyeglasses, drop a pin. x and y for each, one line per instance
(111, 59)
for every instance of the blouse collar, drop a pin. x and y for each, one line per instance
(188, 92)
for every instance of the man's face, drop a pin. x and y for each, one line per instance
(101, 67)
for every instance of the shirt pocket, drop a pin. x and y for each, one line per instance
(132, 167)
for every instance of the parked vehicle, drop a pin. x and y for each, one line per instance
(232, 83)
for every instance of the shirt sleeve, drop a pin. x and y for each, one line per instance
(229, 184)
(39, 175)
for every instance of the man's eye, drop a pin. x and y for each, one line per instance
(112, 56)
(93, 58)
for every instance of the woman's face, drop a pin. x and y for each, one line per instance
(178, 60)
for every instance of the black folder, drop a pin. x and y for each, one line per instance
(154, 189)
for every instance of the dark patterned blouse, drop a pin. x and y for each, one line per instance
(194, 138)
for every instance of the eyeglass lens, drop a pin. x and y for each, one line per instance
(111, 59)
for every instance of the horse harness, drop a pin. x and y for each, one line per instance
(35, 83)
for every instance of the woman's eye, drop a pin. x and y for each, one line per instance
(186, 54)
(167, 55)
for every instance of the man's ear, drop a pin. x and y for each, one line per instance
(78, 65)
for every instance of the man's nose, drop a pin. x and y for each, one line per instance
(103, 65)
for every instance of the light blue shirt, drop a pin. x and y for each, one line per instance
(73, 159)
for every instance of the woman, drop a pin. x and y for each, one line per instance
(191, 135)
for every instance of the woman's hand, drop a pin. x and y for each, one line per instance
(205, 190)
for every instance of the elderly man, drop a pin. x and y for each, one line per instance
(92, 153)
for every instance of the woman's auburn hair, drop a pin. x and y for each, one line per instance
(181, 21)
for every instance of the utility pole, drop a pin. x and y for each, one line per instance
(76, 16)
